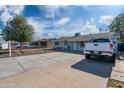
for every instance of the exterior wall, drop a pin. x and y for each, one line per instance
(56, 44)
(76, 46)
(38, 44)
(50, 44)
(70, 46)
(61, 45)
(44, 44)
(73, 46)
(79, 47)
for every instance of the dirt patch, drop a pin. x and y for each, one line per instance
(5, 53)
(33, 51)
(112, 83)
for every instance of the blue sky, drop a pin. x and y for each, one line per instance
(56, 21)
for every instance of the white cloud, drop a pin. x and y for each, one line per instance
(91, 22)
(63, 21)
(38, 27)
(2, 7)
(50, 35)
(5, 16)
(52, 9)
(90, 29)
(78, 26)
(83, 28)
(7, 12)
(17, 9)
(106, 19)
(73, 27)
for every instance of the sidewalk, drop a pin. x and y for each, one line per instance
(118, 71)
(117, 75)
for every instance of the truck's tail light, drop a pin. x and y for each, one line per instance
(111, 45)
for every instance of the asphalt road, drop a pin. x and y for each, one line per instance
(56, 69)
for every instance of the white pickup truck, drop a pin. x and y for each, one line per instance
(102, 46)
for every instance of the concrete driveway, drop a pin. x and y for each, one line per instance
(54, 70)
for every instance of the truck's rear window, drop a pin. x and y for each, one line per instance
(100, 40)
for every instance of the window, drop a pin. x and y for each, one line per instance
(82, 44)
(56, 43)
(65, 43)
(100, 40)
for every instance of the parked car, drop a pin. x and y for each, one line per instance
(17, 46)
(102, 46)
(27, 46)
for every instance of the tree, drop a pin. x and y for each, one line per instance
(18, 30)
(117, 25)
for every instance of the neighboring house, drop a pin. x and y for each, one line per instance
(77, 42)
(44, 43)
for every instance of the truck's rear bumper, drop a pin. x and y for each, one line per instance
(99, 53)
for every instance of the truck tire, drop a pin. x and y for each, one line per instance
(87, 56)
(113, 58)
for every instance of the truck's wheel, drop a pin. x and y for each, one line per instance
(87, 56)
(113, 58)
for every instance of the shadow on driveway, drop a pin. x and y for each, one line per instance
(97, 66)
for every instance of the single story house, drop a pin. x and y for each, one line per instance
(77, 42)
(44, 43)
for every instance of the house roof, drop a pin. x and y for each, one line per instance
(42, 40)
(63, 39)
(88, 37)
(92, 36)
(80, 38)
